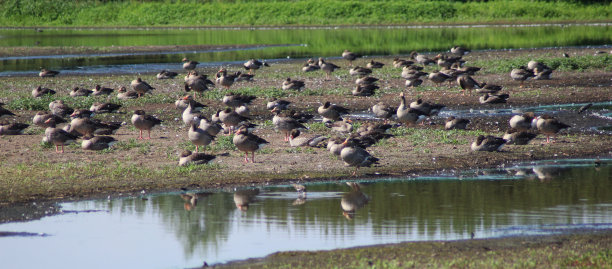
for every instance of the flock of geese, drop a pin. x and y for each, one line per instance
(349, 145)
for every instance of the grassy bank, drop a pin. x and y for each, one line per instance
(559, 251)
(320, 12)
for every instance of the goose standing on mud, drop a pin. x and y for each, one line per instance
(231, 119)
(350, 56)
(285, 123)
(197, 83)
(328, 68)
(549, 126)
(253, 65)
(488, 143)
(198, 136)
(44, 73)
(521, 74)
(189, 65)
(248, 142)
(467, 83)
(57, 136)
(224, 79)
(141, 87)
(144, 122)
(353, 155)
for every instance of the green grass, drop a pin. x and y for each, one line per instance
(421, 137)
(578, 63)
(317, 12)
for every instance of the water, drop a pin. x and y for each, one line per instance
(167, 231)
(279, 43)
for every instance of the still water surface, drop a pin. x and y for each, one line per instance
(279, 43)
(170, 231)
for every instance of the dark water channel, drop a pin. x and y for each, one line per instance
(170, 231)
(278, 43)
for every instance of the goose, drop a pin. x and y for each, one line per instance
(366, 80)
(189, 113)
(105, 107)
(40, 119)
(458, 50)
(12, 128)
(57, 136)
(364, 90)
(248, 142)
(452, 74)
(514, 136)
(383, 111)
(141, 87)
(189, 65)
(198, 136)
(310, 67)
(243, 198)
(360, 71)
(243, 77)
(353, 155)
(421, 59)
(343, 126)
(410, 73)
(295, 140)
(285, 123)
(97, 142)
(187, 158)
(445, 61)
(522, 122)
(427, 108)
(542, 73)
(350, 56)
(488, 88)
(407, 115)
(328, 68)
(274, 103)
(353, 200)
(84, 125)
(44, 73)
(197, 83)
(549, 126)
(243, 110)
(488, 143)
(331, 111)
(85, 113)
(182, 103)
(78, 92)
(224, 79)
(467, 83)
(58, 108)
(521, 74)
(40, 91)
(372, 64)
(438, 77)
(301, 117)
(124, 94)
(456, 123)
(235, 100)
(468, 70)
(494, 98)
(398, 63)
(213, 128)
(142, 122)
(231, 119)
(335, 145)
(165, 74)
(253, 64)
(290, 84)
(411, 83)
(99, 91)
(5, 112)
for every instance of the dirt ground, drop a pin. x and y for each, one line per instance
(400, 155)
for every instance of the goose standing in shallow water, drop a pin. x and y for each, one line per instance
(549, 126)
(248, 142)
(143, 122)
(488, 143)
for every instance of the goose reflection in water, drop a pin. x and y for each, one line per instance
(191, 199)
(547, 173)
(243, 198)
(353, 200)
